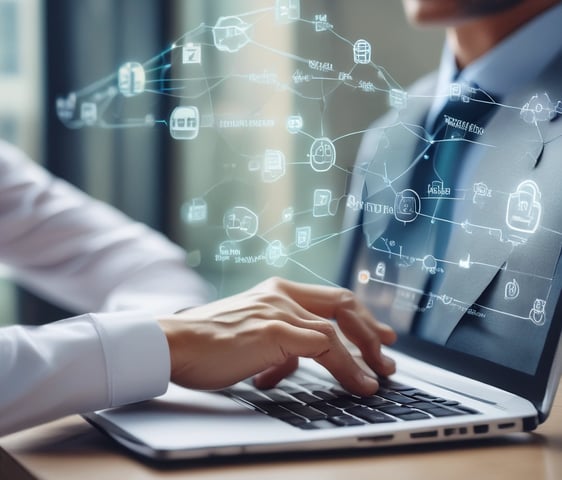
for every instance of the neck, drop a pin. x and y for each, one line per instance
(471, 39)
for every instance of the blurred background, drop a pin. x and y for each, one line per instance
(50, 48)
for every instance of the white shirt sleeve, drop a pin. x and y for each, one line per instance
(87, 257)
(78, 365)
(83, 254)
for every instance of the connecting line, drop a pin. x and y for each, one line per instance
(320, 277)
(195, 32)
(280, 52)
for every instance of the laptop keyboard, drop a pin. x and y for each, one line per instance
(315, 406)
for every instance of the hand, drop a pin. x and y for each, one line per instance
(263, 331)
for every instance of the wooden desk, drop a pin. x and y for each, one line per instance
(71, 449)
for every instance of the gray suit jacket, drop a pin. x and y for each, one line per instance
(497, 277)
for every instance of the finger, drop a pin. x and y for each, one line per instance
(320, 300)
(273, 375)
(368, 335)
(343, 367)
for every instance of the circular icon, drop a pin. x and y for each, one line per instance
(275, 254)
(430, 264)
(240, 223)
(322, 155)
(407, 206)
(363, 277)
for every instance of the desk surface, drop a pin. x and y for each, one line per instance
(70, 449)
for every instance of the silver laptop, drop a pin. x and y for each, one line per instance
(437, 395)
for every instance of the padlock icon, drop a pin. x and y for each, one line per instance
(524, 208)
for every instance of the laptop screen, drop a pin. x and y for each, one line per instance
(466, 266)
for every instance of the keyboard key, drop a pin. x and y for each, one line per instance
(392, 385)
(295, 420)
(346, 421)
(371, 416)
(326, 408)
(342, 402)
(305, 397)
(374, 402)
(250, 396)
(279, 396)
(396, 410)
(414, 416)
(442, 412)
(306, 411)
(398, 398)
(423, 405)
(323, 394)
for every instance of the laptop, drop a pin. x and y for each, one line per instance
(437, 395)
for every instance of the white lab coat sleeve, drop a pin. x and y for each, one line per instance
(80, 364)
(83, 254)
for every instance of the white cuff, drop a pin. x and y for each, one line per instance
(137, 356)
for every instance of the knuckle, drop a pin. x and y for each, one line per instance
(275, 283)
(327, 328)
(347, 299)
(274, 330)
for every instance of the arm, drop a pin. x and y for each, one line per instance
(78, 365)
(83, 254)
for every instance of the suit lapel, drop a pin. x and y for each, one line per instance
(517, 147)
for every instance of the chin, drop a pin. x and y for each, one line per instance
(449, 12)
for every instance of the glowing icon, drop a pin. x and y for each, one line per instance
(240, 223)
(303, 236)
(322, 155)
(275, 254)
(287, 11)
(362, 52)
(380, 270)
(481, 190)
(406, 206)
(524, 208)
(230, 34)
(294, 124)
(465, 262)
(446, 299)
(194, 211)
(184, 123)
(66, 107)
(131, 79)
(254, 165)
(273, 166)
(321, 205)
(89, 113)
(398, 99)
(429, 264)
(288, 214)
(321, 23)
(538, 109)
(537, 314)
(191, 53)
(511, 290)
(455, 92)
(363, 277)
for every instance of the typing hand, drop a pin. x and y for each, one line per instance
(263, 331)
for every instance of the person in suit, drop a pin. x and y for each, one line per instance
(456, 197)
